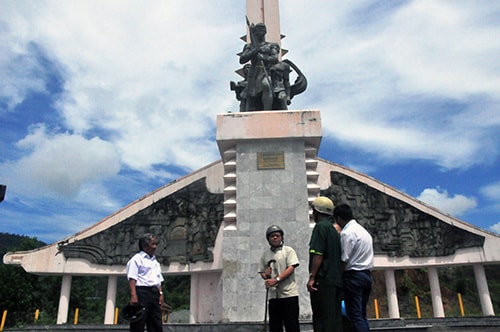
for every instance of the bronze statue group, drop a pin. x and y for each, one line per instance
(266, 84)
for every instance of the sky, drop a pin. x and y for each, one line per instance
(102, 102)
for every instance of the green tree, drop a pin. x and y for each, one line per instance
(88, 294)
(16, 293)
(22, 293)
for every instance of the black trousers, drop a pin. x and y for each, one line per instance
(326, 308)
(284, 312)
(150, 298)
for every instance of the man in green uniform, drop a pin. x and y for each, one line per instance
(325, 269)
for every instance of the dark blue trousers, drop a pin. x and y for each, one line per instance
(357, 288)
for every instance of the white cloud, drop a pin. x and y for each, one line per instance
(60, 164)
(154, 86)
(395, 80)
(495, 228)
(20, 71)
(455, 205)
(492, 191)
(443, 48)
(417, 80)
(138, 73)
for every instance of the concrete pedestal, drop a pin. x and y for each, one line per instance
(270, 178)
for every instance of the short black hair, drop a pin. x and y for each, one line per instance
(343, 211)
(144, 240)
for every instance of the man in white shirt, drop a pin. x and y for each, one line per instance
(357, 257)
(145, 278)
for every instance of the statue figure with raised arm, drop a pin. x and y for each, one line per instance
(267, 80)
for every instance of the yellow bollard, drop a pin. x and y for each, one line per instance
(460, 302)
(375, 304)
(75, 320)
(4, 317)
(115, 321)
(37, 314)
(418, 307)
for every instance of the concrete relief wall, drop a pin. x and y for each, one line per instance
(398, 229)
(185, 223)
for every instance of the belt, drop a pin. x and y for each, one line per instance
(358, 271)
(148, 287)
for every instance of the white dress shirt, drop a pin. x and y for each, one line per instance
(145, 270)
(357, 247)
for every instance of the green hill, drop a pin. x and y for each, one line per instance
(13, 242)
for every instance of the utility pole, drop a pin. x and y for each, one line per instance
(3, 188)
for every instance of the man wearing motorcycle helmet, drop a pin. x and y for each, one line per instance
(277, 266)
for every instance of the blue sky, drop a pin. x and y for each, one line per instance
(102, 102)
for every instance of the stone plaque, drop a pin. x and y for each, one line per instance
(271, 160)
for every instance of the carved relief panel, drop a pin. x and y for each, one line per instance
(398, 229)
(185, 224)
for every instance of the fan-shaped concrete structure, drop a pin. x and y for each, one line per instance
(211, 224)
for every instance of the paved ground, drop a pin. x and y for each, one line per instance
(468, 324)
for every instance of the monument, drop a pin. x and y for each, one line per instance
(266, 84)
(269, 178)
(212, 222)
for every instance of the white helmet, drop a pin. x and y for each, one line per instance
(323, 205)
